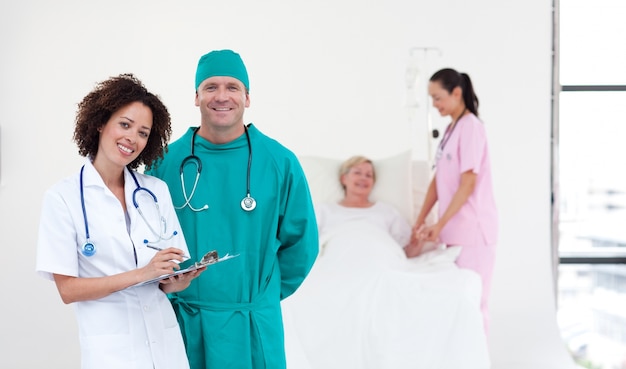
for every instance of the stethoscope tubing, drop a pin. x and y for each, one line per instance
(248, 203)
(89, 249)
(160, 233)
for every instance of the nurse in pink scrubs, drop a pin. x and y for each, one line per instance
(462, 182)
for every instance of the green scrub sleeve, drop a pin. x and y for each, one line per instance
(298, 236)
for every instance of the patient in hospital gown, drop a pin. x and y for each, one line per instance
(379, 214)
(366, 305)
(357, 177)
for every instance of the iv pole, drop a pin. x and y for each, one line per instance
(412, 74)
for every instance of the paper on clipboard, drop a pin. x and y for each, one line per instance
(208, 259)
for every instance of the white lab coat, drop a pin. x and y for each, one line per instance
(132, 328)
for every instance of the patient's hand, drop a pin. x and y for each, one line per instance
(414, 248)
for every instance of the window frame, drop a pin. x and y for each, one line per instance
(559, 257)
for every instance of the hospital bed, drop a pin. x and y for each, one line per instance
(364, 305)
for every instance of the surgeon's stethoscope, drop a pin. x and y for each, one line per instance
(248, 203)
(89, 248)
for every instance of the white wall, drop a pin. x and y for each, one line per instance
(327, 78)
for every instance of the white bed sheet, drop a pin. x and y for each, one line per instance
(364, 305)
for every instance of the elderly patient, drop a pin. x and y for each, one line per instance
(357, 176)
(366, 305)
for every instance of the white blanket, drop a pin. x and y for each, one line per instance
(364, 305)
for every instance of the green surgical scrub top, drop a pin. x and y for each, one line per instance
(230, 316)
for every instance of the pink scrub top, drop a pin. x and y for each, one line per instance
(466, 149)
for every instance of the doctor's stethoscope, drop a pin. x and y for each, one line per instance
(248, 203)
(89, 248)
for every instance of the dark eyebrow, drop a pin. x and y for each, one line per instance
(132, 121)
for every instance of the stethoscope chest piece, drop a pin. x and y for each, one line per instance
(89, 249)
(248, 203)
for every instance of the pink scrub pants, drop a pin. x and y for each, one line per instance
(480, 258)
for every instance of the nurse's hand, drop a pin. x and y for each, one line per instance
(416, 232)
(430, 233)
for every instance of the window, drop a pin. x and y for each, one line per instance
(589, 183)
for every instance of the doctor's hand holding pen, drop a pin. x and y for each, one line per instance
(164, 262)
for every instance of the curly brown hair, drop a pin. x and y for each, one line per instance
(108, 97)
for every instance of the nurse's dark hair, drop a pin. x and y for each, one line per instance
(95, 110)
(450, 78)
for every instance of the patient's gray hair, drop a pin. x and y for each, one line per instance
(351, 162)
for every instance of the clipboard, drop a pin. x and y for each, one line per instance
(208, 259)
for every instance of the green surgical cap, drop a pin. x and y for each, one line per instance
(226, 63)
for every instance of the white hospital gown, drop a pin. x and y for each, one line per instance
(381, 215)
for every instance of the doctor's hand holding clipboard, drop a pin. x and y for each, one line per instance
(166, 262)
(189, 272)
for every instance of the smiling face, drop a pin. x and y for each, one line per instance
(124, 136)
(359, 180)
(447, 103)
(222, 101)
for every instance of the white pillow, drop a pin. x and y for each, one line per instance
(394, 182)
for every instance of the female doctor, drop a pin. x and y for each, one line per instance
(107, 228)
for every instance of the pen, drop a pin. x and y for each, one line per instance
(160, 249)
